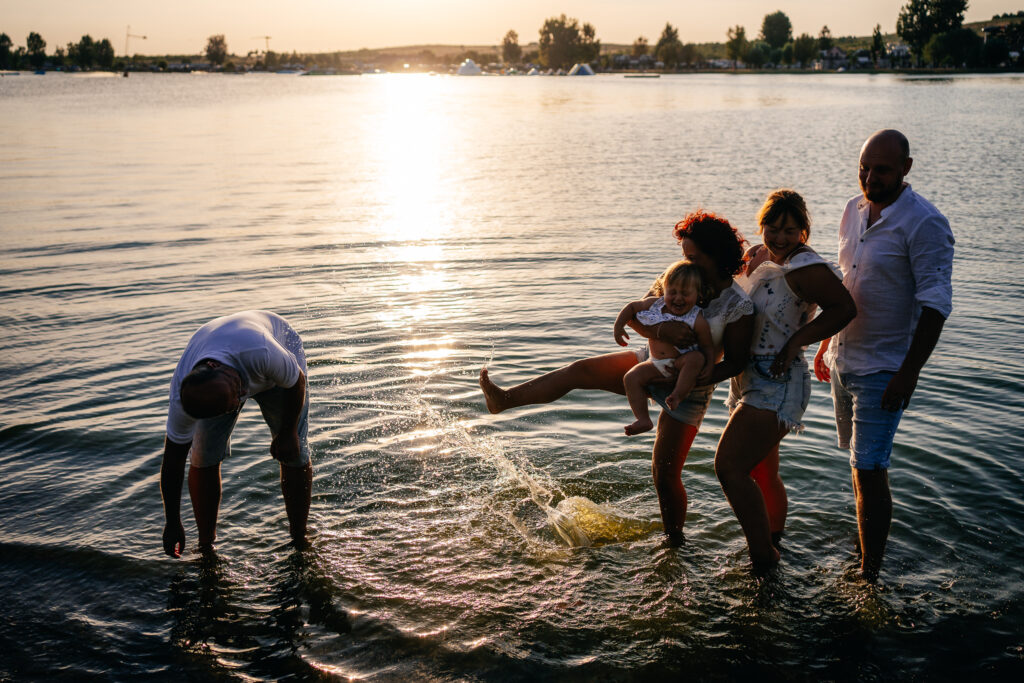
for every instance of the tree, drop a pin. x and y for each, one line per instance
(825, 39)
(36, 49)
(787, 53)
(104, 54)
(511, 53)
(959, 47)
(736, 46)
(689, 54)
(216, 49)
(590, 46)
(81, 53)
(946, 15)
(913, 25)
(995, 52)
(804, 49)
(669, 48)
(559, 42)
(5, 51)
(758, 54)
(640, 47)
(776, 29)
(919, 20)
(877, 44)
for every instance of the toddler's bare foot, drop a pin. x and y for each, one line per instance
(639, 427)
(493, 394)
(672, 401)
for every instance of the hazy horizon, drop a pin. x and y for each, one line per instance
(310, 26)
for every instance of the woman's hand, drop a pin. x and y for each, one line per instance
(784, 359)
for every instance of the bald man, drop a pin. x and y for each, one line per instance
(896, 254)
(250, 354)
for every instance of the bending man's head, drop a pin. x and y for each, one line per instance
(211, 389)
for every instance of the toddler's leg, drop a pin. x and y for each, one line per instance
(689, 367)
(638, 377)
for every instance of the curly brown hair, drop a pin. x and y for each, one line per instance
(716, 237)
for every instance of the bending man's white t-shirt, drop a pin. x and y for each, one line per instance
(260, 345)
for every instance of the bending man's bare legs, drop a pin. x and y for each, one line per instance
(671, 446)
(204, 490)
(603, 373)
(296, 487)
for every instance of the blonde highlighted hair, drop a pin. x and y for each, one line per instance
(683, 273)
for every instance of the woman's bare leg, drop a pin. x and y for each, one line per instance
(671, 446)
(603, 373)
(747, 440)
(766, 476)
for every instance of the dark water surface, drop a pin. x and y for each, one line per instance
(412, 229)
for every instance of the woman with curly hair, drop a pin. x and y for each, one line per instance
(716, 248)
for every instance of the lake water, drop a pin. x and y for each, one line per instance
(412, 229)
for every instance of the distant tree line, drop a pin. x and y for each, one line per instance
(85, 54)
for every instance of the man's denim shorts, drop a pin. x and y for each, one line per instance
(862, 424)
(211, 443)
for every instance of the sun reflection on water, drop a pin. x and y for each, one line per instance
(409, 151)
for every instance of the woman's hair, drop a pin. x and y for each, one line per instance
(714, 236)
(785, 203)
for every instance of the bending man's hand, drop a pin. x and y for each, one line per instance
(285, 447)
(174, 539)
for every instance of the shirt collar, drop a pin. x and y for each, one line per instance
(904, 197)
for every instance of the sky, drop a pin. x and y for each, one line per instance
(182, 26)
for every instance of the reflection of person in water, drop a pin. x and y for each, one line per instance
(716, 248)
(257, 354)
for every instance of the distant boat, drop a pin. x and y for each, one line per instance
(581, 69)
(469, 68)
(40, 72)
(643, 76)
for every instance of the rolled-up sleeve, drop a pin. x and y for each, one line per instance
(931, 260)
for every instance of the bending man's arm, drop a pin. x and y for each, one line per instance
(172, 473)
(926, 336)
(285, 446)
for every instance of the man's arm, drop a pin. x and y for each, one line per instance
(926, 336)
(285, 446)
(172, 473)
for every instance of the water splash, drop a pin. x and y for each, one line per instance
(578, 521)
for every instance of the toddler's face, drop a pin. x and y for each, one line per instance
(680, 298)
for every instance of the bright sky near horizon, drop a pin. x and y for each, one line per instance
(182, 27)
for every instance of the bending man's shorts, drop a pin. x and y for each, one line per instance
(862, 424)
(211, 443)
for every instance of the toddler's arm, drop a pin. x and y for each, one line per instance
(627, 314)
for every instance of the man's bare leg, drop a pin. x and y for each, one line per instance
(297, 487)
(874, 517)
(205, 491)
